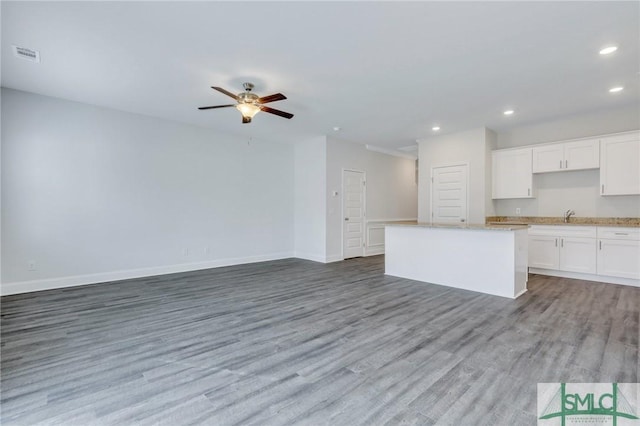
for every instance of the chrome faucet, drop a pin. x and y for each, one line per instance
(567, 215)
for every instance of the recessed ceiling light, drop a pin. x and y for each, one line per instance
(616, 89)
(508, 112)
(336, 129)
(608, 50)
(435, 128)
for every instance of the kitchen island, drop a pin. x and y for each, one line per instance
(488, 259)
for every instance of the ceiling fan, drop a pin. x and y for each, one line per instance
(249, 104)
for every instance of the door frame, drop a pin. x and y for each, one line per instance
(342, 212)
(461, 163)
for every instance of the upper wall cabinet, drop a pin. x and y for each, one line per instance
(575, 155)
(511, 173)
(620, 164)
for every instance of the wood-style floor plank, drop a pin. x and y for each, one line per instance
(297, 342)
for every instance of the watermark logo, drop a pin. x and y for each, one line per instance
(565, 404)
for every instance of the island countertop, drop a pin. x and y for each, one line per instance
(472, 226)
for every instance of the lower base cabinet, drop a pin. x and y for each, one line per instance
(543, 252)
(598, 251)
(578, 255)
(558, 248)
(619, 252)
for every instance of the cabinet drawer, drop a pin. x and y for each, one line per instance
(618, 233)
(563, 231)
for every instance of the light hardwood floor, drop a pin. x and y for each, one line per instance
(297, 342)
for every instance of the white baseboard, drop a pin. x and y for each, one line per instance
(374, 251)
(334, 258)
(321, 259)
(520, 294)
(312, 257)
(586, 277)
(77, 280)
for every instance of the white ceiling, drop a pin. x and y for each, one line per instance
(385, 72)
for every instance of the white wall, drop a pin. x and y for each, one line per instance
(391, 191)
(472, 147)
(577, 190)
(490, 138)
(88, 192)
(0, 187)
(310, 199)
(577, 126)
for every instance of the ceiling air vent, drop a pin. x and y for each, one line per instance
(28, 54)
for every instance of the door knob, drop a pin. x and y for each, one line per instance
(346, 218)
(461, 220)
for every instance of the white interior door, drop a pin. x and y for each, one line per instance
(353, 209)
(449, 194)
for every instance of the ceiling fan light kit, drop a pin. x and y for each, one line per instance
(248, 110)
(249, 104)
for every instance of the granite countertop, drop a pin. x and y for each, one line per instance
(633, 222)
(472, 226)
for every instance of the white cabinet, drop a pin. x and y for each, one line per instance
(584, 154)
(575, 155)
(578, 254)
(620, 164)
(548, 158)
(543, 252)
(511, 173)
(563, 248)
(619, 252)
(603, 253)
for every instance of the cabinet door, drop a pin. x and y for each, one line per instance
(619, 258)
(619, 166)
(582, 154)
(543, 252)
(511, 174)
(548, 158)
(578, 254)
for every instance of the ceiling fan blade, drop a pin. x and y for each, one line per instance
(246, 120)
(276, 111)
(271, 98)
(226, 92)
(217, 106)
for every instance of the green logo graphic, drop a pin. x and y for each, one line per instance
(588, 400)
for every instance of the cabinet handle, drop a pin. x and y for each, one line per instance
(561, 242)
(528, 192)
(600, 244)
(556, 242)
(602, 189)
(566, 164)
(560, 163)
(621, 233)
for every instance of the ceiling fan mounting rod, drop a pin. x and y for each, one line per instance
(248, 86)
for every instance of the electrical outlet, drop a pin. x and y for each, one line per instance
(31, 265)
(207, 250)
(518, 211)
(185, 252)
